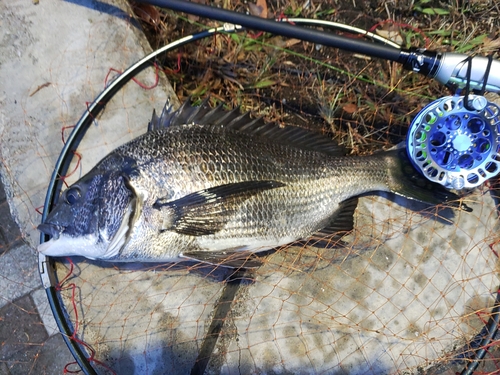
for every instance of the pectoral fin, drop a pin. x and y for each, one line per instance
(207, 211)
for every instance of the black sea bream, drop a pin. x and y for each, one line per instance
(207, 184)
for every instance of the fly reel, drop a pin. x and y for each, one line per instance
(455, 146)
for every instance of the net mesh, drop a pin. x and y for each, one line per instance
(409, 290)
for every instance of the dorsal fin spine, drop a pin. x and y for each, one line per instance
(233, 120)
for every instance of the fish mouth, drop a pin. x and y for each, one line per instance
(51, 229)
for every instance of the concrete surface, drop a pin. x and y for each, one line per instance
(410, 295)
(55, 58)
(29, 339)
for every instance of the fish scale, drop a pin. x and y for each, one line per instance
(206, 190)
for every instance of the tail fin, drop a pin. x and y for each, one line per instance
(406, 181)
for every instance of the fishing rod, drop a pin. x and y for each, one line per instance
(447, 68)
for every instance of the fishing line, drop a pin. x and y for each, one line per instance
(344, 27)
(467, 103)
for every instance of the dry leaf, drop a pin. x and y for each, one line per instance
(259, 9)
(392, 35)
(291, 42)
(281, 42)
(192, 17)
(146, 13)
(350, 108)
(491, 44)
(255, 10)
(263, 5)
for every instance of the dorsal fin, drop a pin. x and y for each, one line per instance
(185, 114)
(235, 121)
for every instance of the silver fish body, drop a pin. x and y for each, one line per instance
(206, 184)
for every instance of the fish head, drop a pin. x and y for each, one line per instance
(92, 217)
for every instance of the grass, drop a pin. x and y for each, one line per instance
(363, 103)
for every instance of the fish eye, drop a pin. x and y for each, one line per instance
(72, 195)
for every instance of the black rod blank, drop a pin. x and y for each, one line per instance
(280, 28)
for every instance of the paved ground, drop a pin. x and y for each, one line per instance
(29, 339)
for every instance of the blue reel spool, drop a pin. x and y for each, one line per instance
(454, 146)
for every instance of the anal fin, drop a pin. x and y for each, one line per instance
(340, 223)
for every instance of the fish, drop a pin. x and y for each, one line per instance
(220, 187)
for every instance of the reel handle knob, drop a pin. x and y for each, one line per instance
(478, 102)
